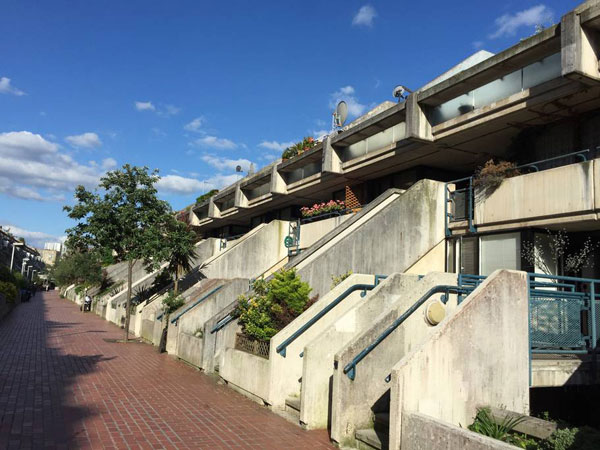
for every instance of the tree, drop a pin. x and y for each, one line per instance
(79, 268)
(123, 216)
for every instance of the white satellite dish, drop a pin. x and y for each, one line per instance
(340, 114)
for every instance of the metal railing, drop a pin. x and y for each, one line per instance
(281, 348)
(196, 303)
(223, 322)
(223, 241)
(462, 198)
(563, 314)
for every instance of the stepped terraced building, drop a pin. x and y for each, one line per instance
(454, 301)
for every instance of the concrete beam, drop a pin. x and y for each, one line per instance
(278, 184)
(240, 201)
(213, 210)
(579, 50)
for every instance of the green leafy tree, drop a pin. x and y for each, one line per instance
(77, 267)
(123, 216)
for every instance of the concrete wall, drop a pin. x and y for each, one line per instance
(354, 401)
(478, 356)
(388, 236)
(250, 255)
(181, 337)
(283, 373)
(421, 432)
(313, 231)
(317, 370)
(556, 195)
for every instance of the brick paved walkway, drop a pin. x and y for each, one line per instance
(63, 386)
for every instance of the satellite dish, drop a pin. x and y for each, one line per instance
(340, 114)
(238, 168)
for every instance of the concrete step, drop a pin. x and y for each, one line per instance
(370, 439)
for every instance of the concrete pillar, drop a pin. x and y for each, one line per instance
(579, 50)
(417, 125)
(213, 210)
(240, 198)
(331, 162)
(278, 184)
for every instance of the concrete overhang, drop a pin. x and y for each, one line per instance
(312, 155)
(525, 52)
(371, 126)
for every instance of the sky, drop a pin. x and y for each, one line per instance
(196, 88)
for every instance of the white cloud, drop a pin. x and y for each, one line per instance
(215, 142)
(34, 238)
(144, 106)
(85, 140)
(168, 110)
(34, 168)
(365, 16)
(274, 145)
(478, 45)
(195, 125)
(320, 134)
(109, 163)
(175, 184)
(7, 88)
(226, 163)
(347, 93)
(508, 24)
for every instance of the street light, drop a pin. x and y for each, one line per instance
(12, 258)
(23, 265)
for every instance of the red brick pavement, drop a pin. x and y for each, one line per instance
(63, 386)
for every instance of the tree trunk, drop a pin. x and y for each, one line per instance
(128, 305)
(176, 281)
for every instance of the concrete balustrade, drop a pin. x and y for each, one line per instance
(354, 401)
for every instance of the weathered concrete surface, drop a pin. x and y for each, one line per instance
(388, 236)
(556, 371)
(279, 376)
(558, 195)
(422, 432)
(478, 356)
(313, 231)
(181, 338)
(317, 370)
(250, 255)
(353, 402)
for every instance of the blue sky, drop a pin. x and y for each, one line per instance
(195, 88)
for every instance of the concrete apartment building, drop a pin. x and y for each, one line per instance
(445, 309)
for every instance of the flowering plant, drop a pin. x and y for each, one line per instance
(297, 149)
(322, 208)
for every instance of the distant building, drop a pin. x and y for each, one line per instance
(49, 256)
(56, 246)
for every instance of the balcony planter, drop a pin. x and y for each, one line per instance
(252, 346)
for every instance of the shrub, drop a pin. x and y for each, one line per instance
(273, 304)
(9, 290)
(485, 424)
(206, 196)
(491, 175)
(172, 302)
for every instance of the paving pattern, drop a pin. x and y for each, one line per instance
(64, 384)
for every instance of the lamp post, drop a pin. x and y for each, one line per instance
(12, 257)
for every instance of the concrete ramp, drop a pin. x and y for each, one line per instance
(390, 235)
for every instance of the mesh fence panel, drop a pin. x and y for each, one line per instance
(556, 323)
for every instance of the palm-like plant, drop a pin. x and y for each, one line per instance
(485, 424)
(181, 251)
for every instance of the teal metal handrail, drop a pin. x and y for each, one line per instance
(350, 368)
(196, 303)
(281, 348)
(223, 322)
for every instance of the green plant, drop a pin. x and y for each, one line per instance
(172, 302)
(562, 439)
(9, 290)
(199, 333)
(206, 196)
(335, 280)
(273, 304)
(485, 424)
